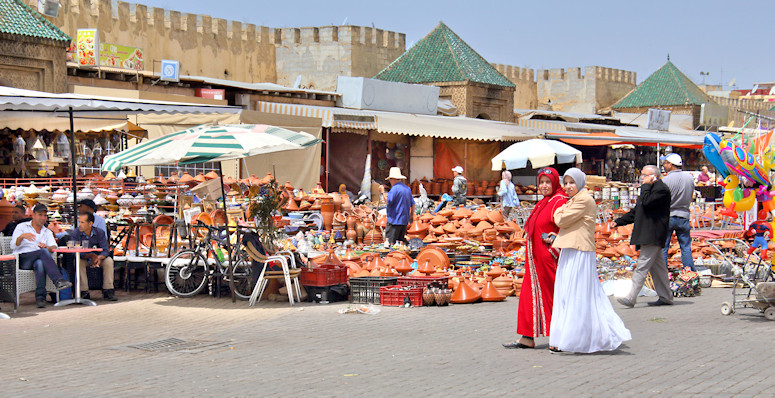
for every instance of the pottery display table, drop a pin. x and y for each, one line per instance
(77, 294)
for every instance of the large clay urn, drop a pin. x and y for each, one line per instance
(6, 209)
(327, 211)
(351, 221)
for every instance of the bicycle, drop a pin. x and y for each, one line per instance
(188, 270)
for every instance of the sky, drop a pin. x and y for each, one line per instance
(729, 40)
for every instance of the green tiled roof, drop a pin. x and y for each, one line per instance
(665, 87)
(442, 56)
(19, 19)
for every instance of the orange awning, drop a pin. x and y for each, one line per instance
(609, 138)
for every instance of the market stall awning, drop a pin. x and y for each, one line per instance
(332, 117)
(463, 128)
(629, 136)
(14, 99)
(25, 121)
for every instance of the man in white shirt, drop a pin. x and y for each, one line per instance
(33, 243)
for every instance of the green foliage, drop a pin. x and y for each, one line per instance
(263, 208)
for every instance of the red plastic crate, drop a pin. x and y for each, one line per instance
(394, 295)
(326, 275)
(421, 281)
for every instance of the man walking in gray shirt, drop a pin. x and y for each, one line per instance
(681, 184)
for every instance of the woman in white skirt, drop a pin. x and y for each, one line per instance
(583, 319)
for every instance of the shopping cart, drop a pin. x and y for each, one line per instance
(753, 284)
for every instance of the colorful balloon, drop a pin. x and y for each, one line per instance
(712, 149)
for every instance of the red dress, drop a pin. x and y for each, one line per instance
(535, 299)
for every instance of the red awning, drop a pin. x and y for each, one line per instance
(609, 138)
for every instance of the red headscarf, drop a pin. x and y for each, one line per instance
(554, 178)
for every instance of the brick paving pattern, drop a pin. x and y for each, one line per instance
(689, 349)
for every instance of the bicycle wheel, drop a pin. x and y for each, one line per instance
(186, 273)
(243, 276)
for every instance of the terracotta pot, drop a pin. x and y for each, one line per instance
(438, 220)
(404, 267)
(327, 211)
(490, 293)
(347, 205)
(426, 218)
(461, 213)
(446, 212)
(352, 235)
(351, 221)
(495, 216)
(426, 267)
(337, 199)
(382, 222)
(464, 294)
(479, 215)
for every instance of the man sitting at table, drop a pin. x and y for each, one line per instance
(33, 243)
(17, 217)
(96, 237)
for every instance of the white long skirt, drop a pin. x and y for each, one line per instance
(583, 319)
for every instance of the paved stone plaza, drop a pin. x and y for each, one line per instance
(689, 349)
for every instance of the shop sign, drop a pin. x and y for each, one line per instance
(121, 56)
(659, 120)
(87, 47)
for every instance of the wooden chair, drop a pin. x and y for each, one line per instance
(289, 272)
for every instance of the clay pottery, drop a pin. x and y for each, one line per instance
(218, 216)
(352, 268)
(187, 179)
(327, 211)
(382, 221)
(495, 271)
(483, 225)
(503, 228)
(304, 205)
(428, 297)
(439, 220)
(426, 267)
(347, 205)
(418, 228)
(490, 293)
(331, 259)
(443, 298)
(449, 228)
(437, 230)
(465, 294)
(502, 282)
(349, 255)
(211, 175)
(436, 256)
(360, 231)
(318, 190)
(426, 218)
(340, 219)
(446, 212)
(363, 273)
(495, 216)
(479, 215)
(316, 206)
(373, 237)
(404, 267)
(291, 205)
(430, 238)
(610, 252)
(461, 213)
(337, 199)
(375, 262)
(352, 235)
(351, 221)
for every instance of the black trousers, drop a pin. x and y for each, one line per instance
(395, 233)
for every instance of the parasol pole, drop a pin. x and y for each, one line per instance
(228, 238)
(72, 164)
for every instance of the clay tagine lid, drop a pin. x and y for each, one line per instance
(465, 294)
(200, 178)
(490, 293)
(426, 267)
(438, 220)
(211, 175)
(332, 259)
(185, 178)
(426, 217)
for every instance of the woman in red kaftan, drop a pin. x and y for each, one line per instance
(535, 299)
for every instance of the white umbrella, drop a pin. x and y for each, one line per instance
(539, 152)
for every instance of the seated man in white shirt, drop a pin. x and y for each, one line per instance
(33, 243)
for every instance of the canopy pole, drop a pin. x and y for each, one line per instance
(74, 172)
(228, 238)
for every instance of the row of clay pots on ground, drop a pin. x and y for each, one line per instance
(443, 185)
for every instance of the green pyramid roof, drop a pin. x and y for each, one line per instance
(665, 87)
(442, 56)
(19, 19)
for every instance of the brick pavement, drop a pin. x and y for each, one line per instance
(689, 349)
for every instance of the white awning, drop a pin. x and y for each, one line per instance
(14, 99)
(332, 117)
(452, 127)
(39, 122)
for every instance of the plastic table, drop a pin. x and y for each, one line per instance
(77, 294)
(6, 258)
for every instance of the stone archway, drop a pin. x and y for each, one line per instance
(483, 116)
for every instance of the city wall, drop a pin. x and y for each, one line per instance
(320, 54)
(218, 48)
(570, 90)
(525, 95)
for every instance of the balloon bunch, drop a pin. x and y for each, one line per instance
(746, 175)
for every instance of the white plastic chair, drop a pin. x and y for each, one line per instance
(288, 262)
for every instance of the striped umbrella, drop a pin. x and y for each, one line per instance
(210, 143)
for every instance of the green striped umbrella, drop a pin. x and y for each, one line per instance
(210, 143)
